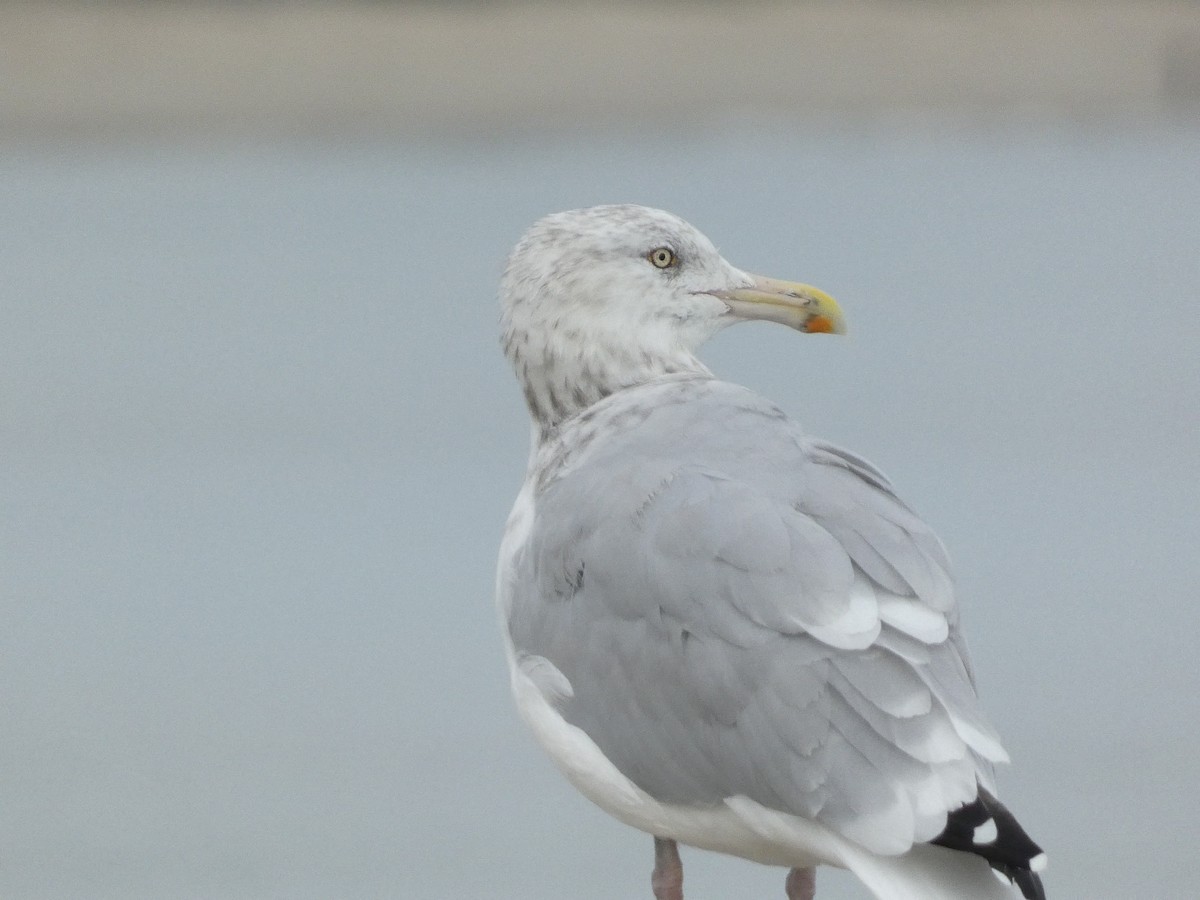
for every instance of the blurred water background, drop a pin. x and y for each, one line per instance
(259, 442)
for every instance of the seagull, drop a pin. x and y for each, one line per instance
(725, 632)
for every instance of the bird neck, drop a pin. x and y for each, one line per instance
(560, 381)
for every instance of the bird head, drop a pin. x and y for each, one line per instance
(602, 298)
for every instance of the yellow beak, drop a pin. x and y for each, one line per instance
(799, 306)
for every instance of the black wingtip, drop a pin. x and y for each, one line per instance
(1028, 881)
(1030, 885)
(986, 828)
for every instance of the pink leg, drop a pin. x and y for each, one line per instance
(667, 878)
(801, 884)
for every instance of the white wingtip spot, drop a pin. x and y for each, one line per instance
(1039, 863)
(985, 833)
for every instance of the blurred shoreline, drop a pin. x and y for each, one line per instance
(80, 71)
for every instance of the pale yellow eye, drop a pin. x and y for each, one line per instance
(663, 257)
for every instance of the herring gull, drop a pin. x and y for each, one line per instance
(723, 631)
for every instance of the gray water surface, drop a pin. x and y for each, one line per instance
(259, 444)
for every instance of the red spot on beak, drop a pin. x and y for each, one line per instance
(818, 325)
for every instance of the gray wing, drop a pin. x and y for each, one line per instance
(744, 611)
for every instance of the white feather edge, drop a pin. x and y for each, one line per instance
(741, 827)
(858, 625)
(913, 618)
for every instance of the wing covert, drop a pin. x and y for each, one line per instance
(774, 590)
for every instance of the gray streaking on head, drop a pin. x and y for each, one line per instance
(725, 632)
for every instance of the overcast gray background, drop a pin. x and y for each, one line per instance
(259, 444)
(257, 439)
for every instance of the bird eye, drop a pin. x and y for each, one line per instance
(662, 257)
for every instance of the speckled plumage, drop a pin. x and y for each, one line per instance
(568, 355)
(725, 632)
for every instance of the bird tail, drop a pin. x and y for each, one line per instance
(928, 872)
